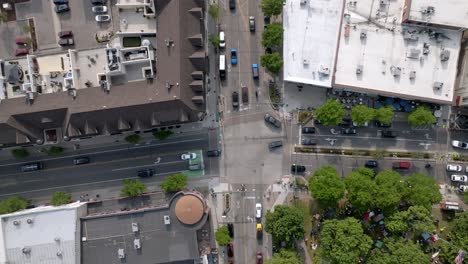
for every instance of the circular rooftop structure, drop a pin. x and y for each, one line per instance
(189, 209)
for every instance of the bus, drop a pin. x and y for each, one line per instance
(222, 67)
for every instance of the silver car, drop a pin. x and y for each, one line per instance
(103, 18)
(99, 9)
(453, 167)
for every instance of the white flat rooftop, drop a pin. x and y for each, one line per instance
(442, 12)
(394, 59)
(310, 40)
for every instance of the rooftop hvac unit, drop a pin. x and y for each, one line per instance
(412, 75)
(363, 34)
(121, 253)
(136, 243)
(16, 222)
(29, 221)
(426, 48)
(134, 227)
(59, 254)
(438, 85)
(57, 239)
(167, 42)
(324, 70)
(428, 10)
(26, 250)
(413, 54)
(445, 55)
(396, 71)
(303, 2)
(305, 61)
(167, 220)
(359, 69)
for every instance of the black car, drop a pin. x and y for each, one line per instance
(232, 4)
(98, 2)
(297, 168)
(371, 164)
(308, 130)
(348, 131)
(309, 141)
(275, 144)
(268, 118)
(145, 173)
(230, 227)
(60, 2)
(81, 160)
(230, 250)
(379, 124)
(346, 122)
(235, 99)
(213, 153)
(389, 134)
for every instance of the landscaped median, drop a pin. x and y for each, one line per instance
(365, 152)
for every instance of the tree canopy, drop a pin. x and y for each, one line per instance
(331, 113)
(421, 190)
(134, 138)
(213, 10)
(417, 220)
(398, 251)
(272, 7)
(132, 188)
(285, 223)
(360, 189)
(284, 256)
(222, 236)
(273, 35)
(20, 153)
(272, 62)
(388, 190)
(59, 198)
(460, 230)
(421, 116)
(325, 186)
(361, 114)
(13, 204)
(215, 40)
(174, 183)
(344, 241)
(385, 115)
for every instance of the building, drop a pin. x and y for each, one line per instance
(101, 91)
(43, 235)
(451, 14)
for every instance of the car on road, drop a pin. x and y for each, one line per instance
(213, 153)
(401, 165)
(308, 130)
(233, 56)
(454, 168)
(60, 2)
(230, 250)
(255, 70)
(232, 4)
(34, 166)
(22, 41)
(380, 124)
(61, 8)
(270, 119)
(99, 9)
(252, 24)
(245, 95)
(463, 188)
(145, 173)
(371, 164)
(259, 231)
(65, 34)
(298, 168)
(81, 160)
(259, 257)
(103, 18)
(21, 52)
(230, 227)
(275, 144)
(459, 144)
(66, 42)
(389, 134)
(258, 210)
(459, 178)
(188, 156)
(346, 122)
(98, 2)
(309, 141)
(235, 99)
(348, 131)
(222, 40)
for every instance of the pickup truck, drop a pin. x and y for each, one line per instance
(401, 165)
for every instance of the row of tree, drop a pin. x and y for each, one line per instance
(272, 36)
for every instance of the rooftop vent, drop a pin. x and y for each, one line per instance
(26, 250)
(412, 75)
(59, 254)
(396, 71)
(363, 34)
(305, 61)
(29, 221)
(426, 48)
(57, 239)
(121, 253)
(438, 85)
(410, 36)
(359, 69)
(383, 2)
(303, 2)
(16, 222)
(324, 70)
(428, 10)
(167, 220)
(413, 54)
(445, 55)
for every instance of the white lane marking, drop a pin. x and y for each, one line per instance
(379, 138)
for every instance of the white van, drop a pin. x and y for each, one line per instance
(222, 41)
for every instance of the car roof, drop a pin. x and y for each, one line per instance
(254, 65)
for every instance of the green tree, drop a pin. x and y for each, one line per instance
(273, 36)
(162, 134)
(361, 114)
(417, 220)
(326, 187)
(222, 236)
(284, 256)
(421, 190)
(213, 10)
(132, 188)
(285, 223)
(174, 183)
(215, 40)
(13, 204)
(398, 251)
(134, 138)
(344, 241)
(55, 151)
(59, 198)
(460, 230)
(361, 187)
(272, 7)
(447, 252)
(388, 192)
(421, 116)
(20, 153)
(3, 17)
(385, 115)
(331, 113)
(272, 62)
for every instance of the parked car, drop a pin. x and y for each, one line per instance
(213, 153)
(145, 173)
(258, 210)
(61, 8)
(230, 250)
(222, 41)
(188, 156)
(252, 24)
(245, 95)
(379, 124)
(308, 130)
(259, 257)
(230, 227)
(401, 165)
(275, 144)
(234, 57)
(270, 119)
(21, 52)
(297, 168)
(459, 144)
(103, 18)
(22, 41)
(268, 50)
(463, 188)
(255, 71)
(348, 131)
(60, 2)
(309, 141)
(346, 122)
(454, 168)
(232, 4)
(99, 9)
(66, 42)
(459, 178)
(98, 2)
(65, 34)
(371, 164)
(81, 160)
(235, 99)
(31, 167)
(389, 134)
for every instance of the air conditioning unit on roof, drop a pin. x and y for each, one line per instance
(303, 2)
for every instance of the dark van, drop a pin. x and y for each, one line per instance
(245, 95)
(31, 167)
(145, 173)
(81, 160)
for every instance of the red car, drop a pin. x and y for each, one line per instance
(401, 165)
(21, 52)
(259, 257)
(230, 250)
(21, 41)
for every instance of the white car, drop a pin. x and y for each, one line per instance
(459, 144)
(453, 167)
(188, 156)
(258, 210)
(103, 18)
(463, 188)
(99, 9)
(459, 178)
(222, 41)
